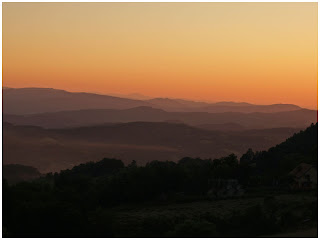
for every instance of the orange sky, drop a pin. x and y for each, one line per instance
(254, 52)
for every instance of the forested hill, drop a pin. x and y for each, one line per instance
(92, 199)
(301, 147)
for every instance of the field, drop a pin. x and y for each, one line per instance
(164, 218)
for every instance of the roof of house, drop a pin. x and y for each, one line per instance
(301, 169)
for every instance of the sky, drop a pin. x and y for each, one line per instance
(261, 53)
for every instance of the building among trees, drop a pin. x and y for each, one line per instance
(304, 176)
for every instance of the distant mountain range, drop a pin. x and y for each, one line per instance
(54, 129)
(40, 100)
(296, 119)
(56, 149)
(136, 96)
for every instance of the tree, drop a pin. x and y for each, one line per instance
(247, 158)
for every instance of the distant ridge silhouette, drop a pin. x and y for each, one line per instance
(63, 119)
(56, 149)
(40, 100)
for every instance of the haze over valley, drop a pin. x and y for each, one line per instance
(54, 129)
(159, 119)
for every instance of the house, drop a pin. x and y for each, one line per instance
(224, 188)
(304, 176)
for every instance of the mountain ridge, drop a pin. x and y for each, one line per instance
(40, 100)
(74, 118)
(56, 149)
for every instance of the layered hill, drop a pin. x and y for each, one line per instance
(219, 107)
(302, 147)
(15, 173)
(76, 118)
(38, 100)
(56, 149)
(250, 108)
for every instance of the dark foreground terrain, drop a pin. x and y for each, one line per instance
(260, 194)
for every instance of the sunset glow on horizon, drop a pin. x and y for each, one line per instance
(262, 53)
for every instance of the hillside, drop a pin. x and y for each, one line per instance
(219, 107)
(39, 100)
(302, 147)
(249, 108)
(165, 199)
(14, 173)
(56, 149)
(22, 101)
(294, 119)
(178, 104)
(230, 126)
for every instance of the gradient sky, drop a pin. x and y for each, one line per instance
(254, 52)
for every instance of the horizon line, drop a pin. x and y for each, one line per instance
(127, 96)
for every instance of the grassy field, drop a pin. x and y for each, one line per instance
(131, 220)
(306, 233)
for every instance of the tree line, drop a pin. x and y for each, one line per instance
(81, 201)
